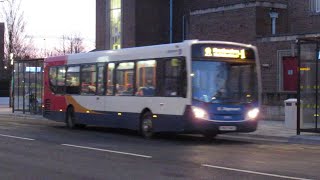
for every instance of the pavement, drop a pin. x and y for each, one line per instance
(268, 130)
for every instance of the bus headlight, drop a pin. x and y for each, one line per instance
(199, 113)
(253, 113)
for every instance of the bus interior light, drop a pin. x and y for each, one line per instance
(199, 113)
(154, 116)
(119, 113)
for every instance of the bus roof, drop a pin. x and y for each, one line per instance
(134, 53)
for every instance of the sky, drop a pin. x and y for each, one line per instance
(48, 20)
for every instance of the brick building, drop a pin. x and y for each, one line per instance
(272, 25)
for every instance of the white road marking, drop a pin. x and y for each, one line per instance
(106, 150)
(16, 137)
(254, 172)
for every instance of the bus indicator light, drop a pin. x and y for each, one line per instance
(87, 111)
(60, 110)
(223, 52)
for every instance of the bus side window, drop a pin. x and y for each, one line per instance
(100, 80)
(88, 79)
(173, 77)
(53, 78)
(124, 79)
(110, 78)
(73, 80)
(61, 77)
(146, 78)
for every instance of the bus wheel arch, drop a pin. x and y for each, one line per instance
(146, 124)
(209, 135)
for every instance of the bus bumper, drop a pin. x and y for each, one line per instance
(224, 127)
(195, 125)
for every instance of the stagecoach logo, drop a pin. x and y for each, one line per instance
(228, 109)
(179, 51)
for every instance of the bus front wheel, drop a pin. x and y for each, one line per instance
(146, 128)
(209, 135)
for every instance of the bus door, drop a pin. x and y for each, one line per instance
(99, 99)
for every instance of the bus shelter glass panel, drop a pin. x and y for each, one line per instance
(309, 86)
(18, 89)
(27, 89)
(16, 86)
(28, 86)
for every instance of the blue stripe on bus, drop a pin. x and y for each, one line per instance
(169, 123)
(163, 123)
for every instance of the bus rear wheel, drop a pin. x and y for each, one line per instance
(146, 126)
(70, 118)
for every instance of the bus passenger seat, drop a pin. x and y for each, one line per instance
(149, 91)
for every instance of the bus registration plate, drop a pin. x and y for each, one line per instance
(227, 128)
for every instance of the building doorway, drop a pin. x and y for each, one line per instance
(290, 73)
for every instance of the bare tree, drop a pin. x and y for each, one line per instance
(76, 44)
(71, 44)
(16, 42)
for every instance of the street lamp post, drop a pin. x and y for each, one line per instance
(11, 89)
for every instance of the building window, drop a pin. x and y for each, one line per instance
(315, 6)
(115, 24)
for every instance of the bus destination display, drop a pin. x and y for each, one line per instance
(222, 51)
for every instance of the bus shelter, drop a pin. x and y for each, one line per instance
(308, 95)
(28, 86)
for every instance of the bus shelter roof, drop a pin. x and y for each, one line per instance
(313, 39)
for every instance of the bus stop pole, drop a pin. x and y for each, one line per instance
(298, 93)
(317, 82)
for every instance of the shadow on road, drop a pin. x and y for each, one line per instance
(177, 139)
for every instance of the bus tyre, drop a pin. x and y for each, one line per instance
(70, 118)
(209, 136)
(146, 127)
